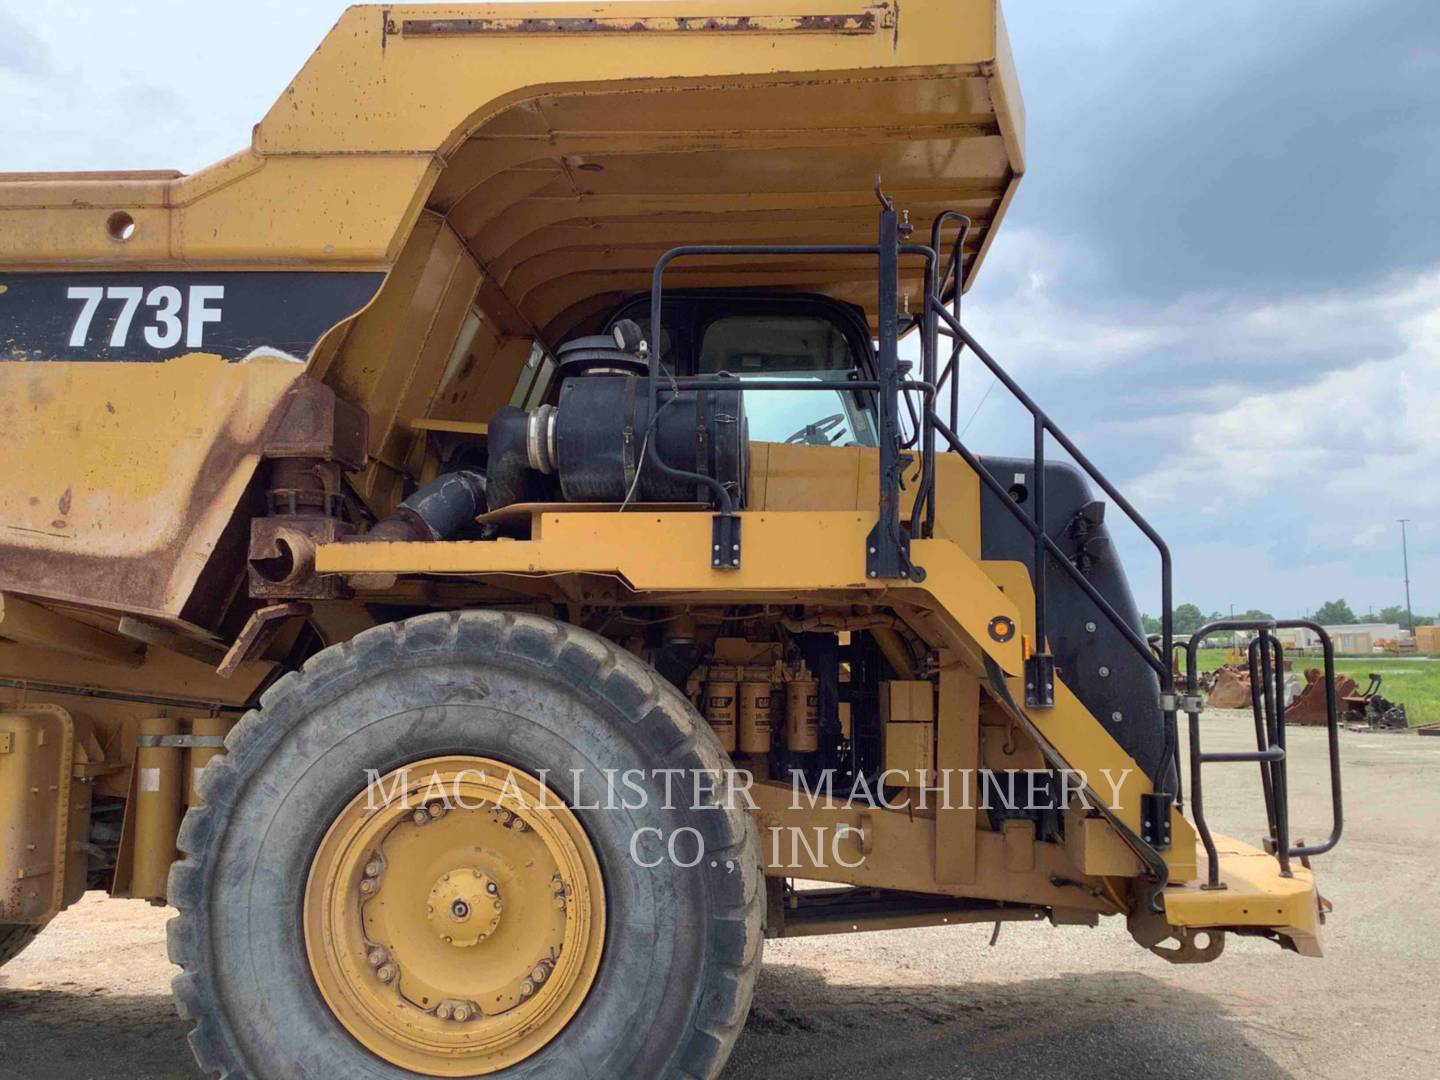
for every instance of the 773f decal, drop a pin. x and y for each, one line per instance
(175, 312)
(154, 315)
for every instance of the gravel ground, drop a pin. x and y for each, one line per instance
(90, 999)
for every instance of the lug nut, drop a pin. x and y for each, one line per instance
(462, 1013)
(492, 888)
(527, 988)
(437, 809)
(443, 1011)
(373, 868)
(420, 817)
(387, 972)
(367, 885)
(538, 975)
(377, 956)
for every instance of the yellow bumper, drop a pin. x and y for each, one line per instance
(1255, 897)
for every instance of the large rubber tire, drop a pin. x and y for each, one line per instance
(13, 939)
(682, 947)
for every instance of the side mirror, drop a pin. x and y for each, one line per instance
(629, 337)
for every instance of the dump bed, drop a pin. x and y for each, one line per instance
(440, 196)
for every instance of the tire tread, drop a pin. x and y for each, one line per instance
(624, 681)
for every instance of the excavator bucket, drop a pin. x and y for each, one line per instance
(1308, 709)
(1231, 688)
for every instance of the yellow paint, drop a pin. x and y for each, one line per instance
(784, 554)
(501, 200)
(36, 814)
(426, 893)
(1096, 848)
(898, 846)
(1254, 895)
(459, 163)
(113, 464)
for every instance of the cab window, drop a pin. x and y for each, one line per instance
(762, 338)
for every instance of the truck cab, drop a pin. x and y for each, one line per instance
(753, 335)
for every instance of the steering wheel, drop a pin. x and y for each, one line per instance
(820, 433)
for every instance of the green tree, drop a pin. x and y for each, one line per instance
(1150, 623)
(1188, 619)
(1396, 614)
(1335, 613)
(1256, 613)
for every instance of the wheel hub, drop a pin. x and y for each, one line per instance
(455, 936)
(464, 907)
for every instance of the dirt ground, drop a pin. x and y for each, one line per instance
(90, 999)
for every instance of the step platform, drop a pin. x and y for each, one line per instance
(1256, 899)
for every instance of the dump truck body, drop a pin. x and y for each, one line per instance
(448, 427)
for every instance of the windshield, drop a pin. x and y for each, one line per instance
(813, 417)
(789, 346)
(754, 339)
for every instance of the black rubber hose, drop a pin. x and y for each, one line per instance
(449, 502)
(508, 469)
(437, 511)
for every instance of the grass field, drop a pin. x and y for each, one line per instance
(1412, 681)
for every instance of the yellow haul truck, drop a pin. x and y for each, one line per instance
(478, 554)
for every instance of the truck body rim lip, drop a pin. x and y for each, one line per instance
(347, 961)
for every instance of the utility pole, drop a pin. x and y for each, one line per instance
(1405, 554)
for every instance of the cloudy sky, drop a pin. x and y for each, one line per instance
(1222, 273)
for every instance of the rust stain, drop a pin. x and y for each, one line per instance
(65, 501)
(39, 393)
(139, 582)
(862, 22)
(145, 583)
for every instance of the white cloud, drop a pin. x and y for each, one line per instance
(1362, 437)
(166, 84)
(1021, 300)
(21, 52)
(1272, 440)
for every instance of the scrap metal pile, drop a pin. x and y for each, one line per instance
(1229, 687)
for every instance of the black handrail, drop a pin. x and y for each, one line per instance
(924, 506)
(652, 385)
(1040, 667)
(1267, 696)
(888, 547)
(1054, 549)
(890, 538)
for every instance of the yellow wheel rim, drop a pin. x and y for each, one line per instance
(454, 916)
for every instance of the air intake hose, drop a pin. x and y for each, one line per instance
(437, 511)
